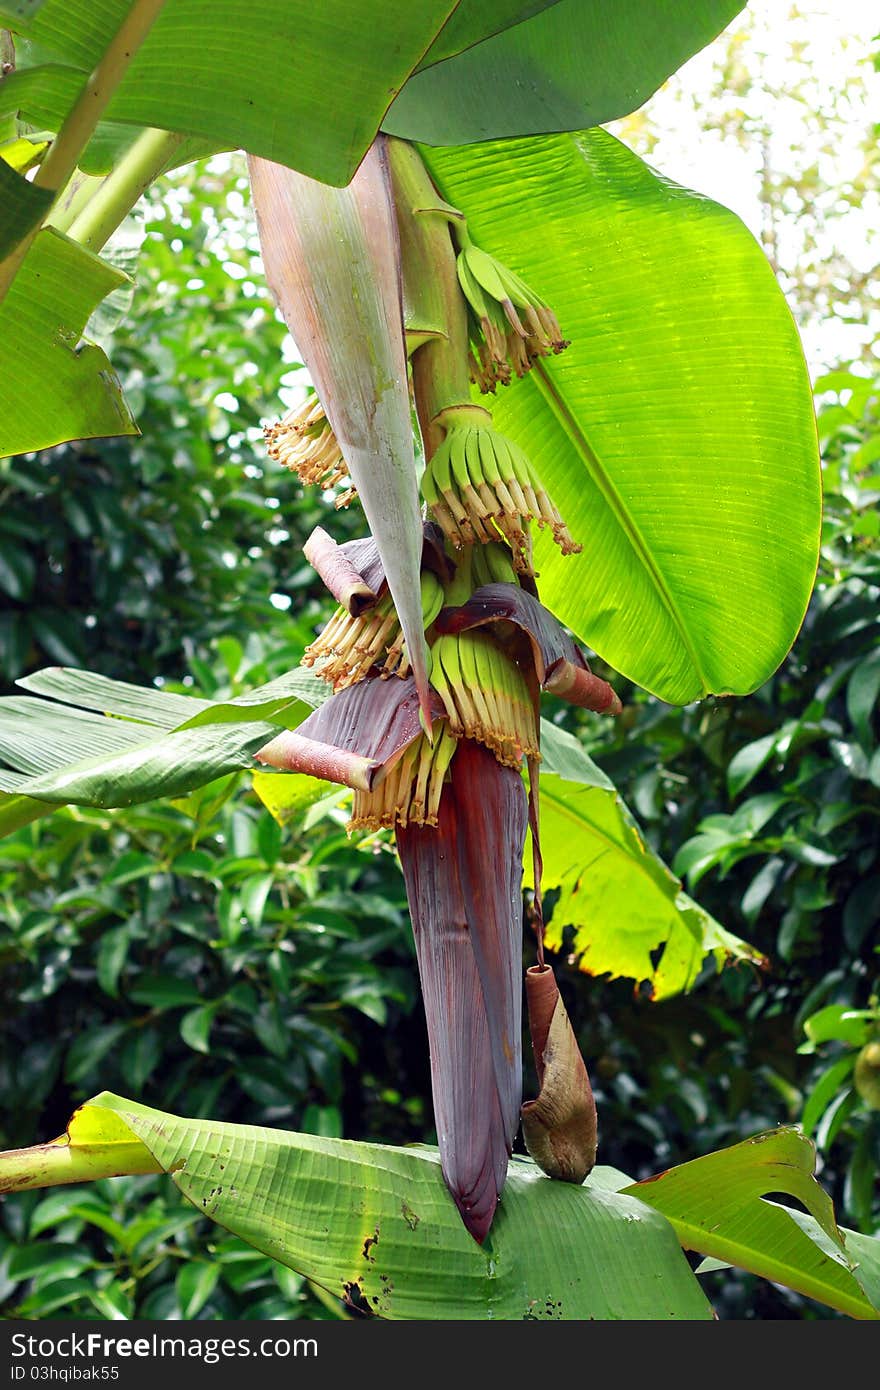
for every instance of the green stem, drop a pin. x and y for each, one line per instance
(70, 203)
(461, 586)
(60, 1162)
(90, 105)
(120, 190)
(423, 307)
(432, 295)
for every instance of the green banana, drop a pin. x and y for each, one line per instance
(432, 596)
(499, 564)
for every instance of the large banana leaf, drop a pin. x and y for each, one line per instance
(52, 386)
(716, 1205)
(376, 1225)
(301, 83)
(676, 433)
(621, 899)
(259, 76)
(472, 21)
(576, 63)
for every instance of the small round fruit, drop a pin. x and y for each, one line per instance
(867, 1074)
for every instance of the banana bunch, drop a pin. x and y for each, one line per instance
(485, 695)
(509, 324)
(304, 442)
(349, 647)
(409, 794)
(481, 486)
(492, 564)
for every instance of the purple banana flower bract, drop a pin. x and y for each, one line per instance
(463, 885)
(354, 736)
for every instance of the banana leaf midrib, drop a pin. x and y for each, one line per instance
(551, 393)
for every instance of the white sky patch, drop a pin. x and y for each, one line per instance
(834, 45)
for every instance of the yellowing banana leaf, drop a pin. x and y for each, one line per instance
(716, 1205)
(53, 387)
(676, 433)
(376, 1226)
(304, 84)
(573, 64)
(621, 899)
(16, 811)
(286, 796)
(21, 154)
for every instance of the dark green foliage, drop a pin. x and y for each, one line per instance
(133, 556)
(197, 957)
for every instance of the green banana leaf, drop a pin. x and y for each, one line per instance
(472, 21)
(23, 205)
(43, 97)
(375, 1224)
(716, 1205)
(92, 741)
(574, 64)
(52, 386)
(143, 744)
(536, 65)
(299, 83)
(168, 710)
(676, 433)
(621, 899)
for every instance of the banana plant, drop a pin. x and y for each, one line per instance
(567, 393)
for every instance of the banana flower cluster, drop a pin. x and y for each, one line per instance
(459, 809)
(439, 648)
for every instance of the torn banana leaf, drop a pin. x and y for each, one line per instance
(716, 1204)
(624, 903)
(375, 1225)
